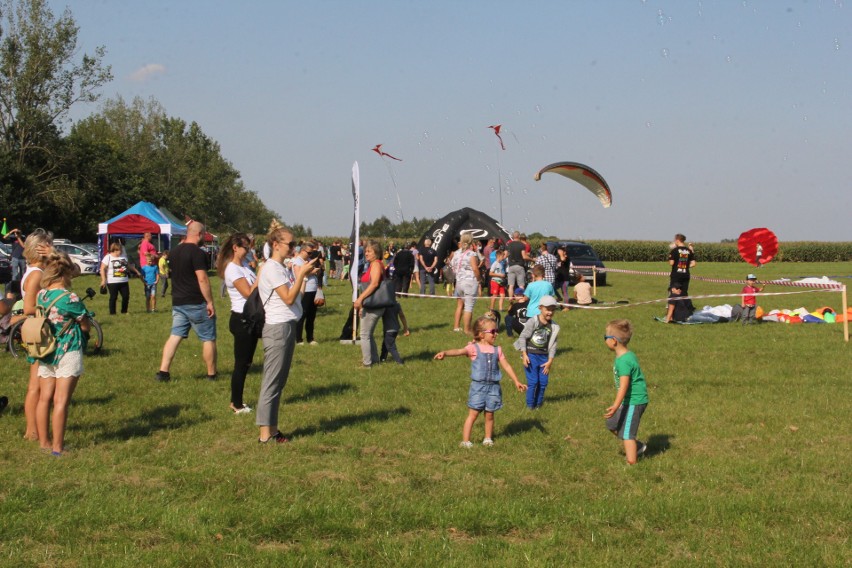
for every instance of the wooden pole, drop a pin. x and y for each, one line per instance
(595, 281)
(845, 315)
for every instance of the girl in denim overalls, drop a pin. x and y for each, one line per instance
(485, 393)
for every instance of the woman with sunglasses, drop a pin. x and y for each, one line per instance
(279, 286)
(239, 281)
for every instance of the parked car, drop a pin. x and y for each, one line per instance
(5, 263)
(84, 259)
(581, 254)
(91, 247)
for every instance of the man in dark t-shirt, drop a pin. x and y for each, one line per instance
(403, 264)
(681, 259)
(192, 302)
(427, 259)
(517, 262)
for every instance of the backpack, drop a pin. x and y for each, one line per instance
(254, 313)
(37, 334)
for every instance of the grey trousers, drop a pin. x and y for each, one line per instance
(515, 275)
(279, 341)
(369, 319)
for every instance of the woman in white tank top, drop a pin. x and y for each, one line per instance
(39, 243)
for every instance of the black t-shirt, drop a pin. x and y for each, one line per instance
(682, 257)
(428, 257)
(334, 252)
(404, 261)
(516, 253)
(184, 260)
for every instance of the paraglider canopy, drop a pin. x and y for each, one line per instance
(758, 246)
(582, 174)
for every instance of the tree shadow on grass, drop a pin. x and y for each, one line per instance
(519, 426)
(340, 422)
(167, 417)
(320, 392)
(658, 444)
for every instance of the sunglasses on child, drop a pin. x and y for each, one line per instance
(611, 337)
(491, 331)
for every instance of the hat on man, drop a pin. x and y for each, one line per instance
(751, 277)
(547, 301)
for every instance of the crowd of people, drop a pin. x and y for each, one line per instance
(287, 281)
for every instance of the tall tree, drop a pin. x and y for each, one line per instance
(41, 78)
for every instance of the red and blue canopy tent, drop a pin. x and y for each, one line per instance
(142, 218)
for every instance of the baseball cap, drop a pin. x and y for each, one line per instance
(751, 277)
(547, 301)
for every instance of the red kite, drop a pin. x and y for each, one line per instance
(378, 150)
(758, 246)
(496, 128)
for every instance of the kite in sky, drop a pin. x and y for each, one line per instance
(584, 175)
(496, 129)
(378, 150)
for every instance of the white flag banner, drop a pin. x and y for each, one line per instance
(355, 238)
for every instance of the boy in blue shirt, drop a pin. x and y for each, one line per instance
(151, 277)
(537, 289)
(631, 399)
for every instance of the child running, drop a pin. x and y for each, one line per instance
(59, 372)
(485, 393)
(622, 418)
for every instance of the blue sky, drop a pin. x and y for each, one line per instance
(705, 117)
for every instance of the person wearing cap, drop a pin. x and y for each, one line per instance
(749, 301)
(537, 344)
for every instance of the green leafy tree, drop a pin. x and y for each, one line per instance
(41, 79)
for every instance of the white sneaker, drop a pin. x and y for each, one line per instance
(244, 410)
(314, 343)
(487, 442)
(466, 445)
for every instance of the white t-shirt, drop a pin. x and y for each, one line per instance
(273, 275)
(232, 274)
(116, 268)
(311, 282)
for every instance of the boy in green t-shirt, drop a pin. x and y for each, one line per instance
(622, 418)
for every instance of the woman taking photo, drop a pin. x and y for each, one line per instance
(279, 288)
(239, 281)
(465, 264)
(114, 268)
(369, 283)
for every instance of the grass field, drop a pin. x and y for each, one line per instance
(748, 460)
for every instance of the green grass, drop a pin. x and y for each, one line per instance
(747, 428)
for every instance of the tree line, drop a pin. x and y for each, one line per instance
(68, 179)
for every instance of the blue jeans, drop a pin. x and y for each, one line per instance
(194, 316)
(536, 380)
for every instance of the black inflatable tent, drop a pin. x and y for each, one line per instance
(446, 231)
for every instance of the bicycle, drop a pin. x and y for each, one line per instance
(95, 336)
